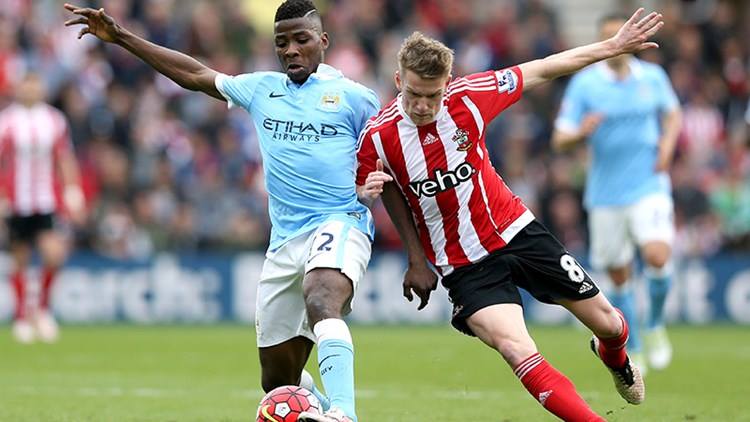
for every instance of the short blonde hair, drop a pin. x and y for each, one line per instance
(425, 56)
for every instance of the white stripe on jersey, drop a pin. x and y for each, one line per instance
(47, 130)
(467, 234)
(378, 143)
(474, 113)
(416, 166)
(482, 182)
(24, 163)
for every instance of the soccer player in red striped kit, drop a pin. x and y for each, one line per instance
(425, 153)
(37, 168)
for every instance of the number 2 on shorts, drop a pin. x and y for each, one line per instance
(324, 246)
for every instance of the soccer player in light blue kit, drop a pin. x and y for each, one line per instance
(308, 120)
(628, 112)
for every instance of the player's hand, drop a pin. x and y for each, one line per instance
(373, 186)
(421, 280)
(96, 23)
(589, 124)
(633, 36)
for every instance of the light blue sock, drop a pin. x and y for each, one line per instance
(624, 299)
(307, 381)
(324, 402)
(336, 363)
(659, 283)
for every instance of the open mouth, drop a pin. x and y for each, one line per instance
(294, 67)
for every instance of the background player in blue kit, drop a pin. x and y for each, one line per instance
(628, 112)
(308, 120)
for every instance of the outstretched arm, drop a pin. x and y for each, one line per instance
(632, 37)
(181, 68)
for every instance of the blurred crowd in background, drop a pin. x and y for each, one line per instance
(168, 169)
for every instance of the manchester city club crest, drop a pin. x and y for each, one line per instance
(461, 137)
(330, 101)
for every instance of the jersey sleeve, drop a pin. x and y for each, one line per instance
(667, 97)
(367, 157)
(573, 106)
(368, 107)
(238, 90)
(492, 91)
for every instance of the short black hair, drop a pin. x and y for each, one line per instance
(616, 16)
(292, 9)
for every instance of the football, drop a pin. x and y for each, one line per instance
(285, 403)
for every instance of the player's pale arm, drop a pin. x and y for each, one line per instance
(184, 70)
(632, 37)
(671, 126)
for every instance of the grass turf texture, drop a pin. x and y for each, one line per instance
(210, 373)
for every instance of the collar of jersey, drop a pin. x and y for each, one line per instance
(636, 70)
(324, 73)
(400, 107)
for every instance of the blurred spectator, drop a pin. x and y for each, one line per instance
(150, 151)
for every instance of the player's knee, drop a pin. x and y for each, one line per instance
(619, 275)
(514, 350)
(657, 259)
(612, 325)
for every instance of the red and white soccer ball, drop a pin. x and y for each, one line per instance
(284, 404)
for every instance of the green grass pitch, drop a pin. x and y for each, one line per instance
(210, 373)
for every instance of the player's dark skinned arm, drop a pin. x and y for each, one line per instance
(419, 278)
(186, 71)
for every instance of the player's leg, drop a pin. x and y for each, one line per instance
(20, 238)
(612, 249)
(53, 249)
(284, 338)
(338, 257)
(653, 227)
(545, 269)
(502, 327)
(487, 304)
(609, 343)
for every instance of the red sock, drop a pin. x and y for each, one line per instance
(19, 288)
(612, 350)
(48, 277)
(554, 390)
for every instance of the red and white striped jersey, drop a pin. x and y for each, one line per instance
(462, 208)
(31, 140)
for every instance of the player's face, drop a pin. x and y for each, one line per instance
(421, 97)
(30, 90)
(300, 44)
(608, 30)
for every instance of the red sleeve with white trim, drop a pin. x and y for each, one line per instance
(492, 91)
(367, 157)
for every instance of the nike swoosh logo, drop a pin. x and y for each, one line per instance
(264, 412)
(275, 95)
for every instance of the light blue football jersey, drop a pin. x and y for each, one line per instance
(308, 136)
(625, 145)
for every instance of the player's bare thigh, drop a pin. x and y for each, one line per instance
(503, 328)
(327, 291)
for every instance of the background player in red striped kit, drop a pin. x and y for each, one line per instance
(472, 228)
(36, 163)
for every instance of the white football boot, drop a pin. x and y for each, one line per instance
(23, 331)
(628, 379)
(46, 327)
(658, 348)
(333, 415)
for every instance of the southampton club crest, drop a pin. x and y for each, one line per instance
(461, 137)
